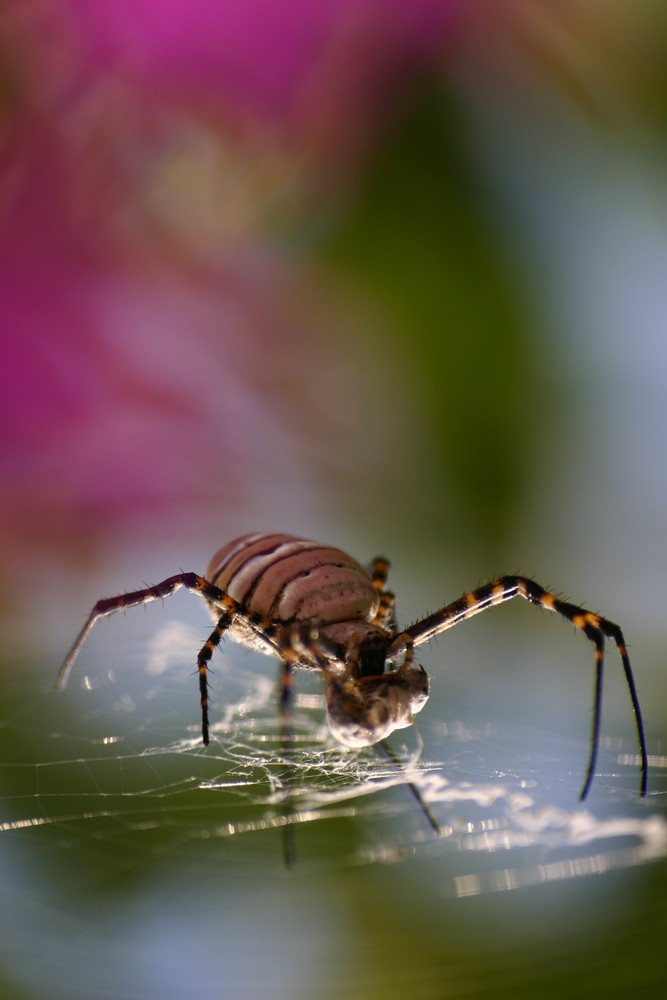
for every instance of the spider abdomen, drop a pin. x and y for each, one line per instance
(292, 579)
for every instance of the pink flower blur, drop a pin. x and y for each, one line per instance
(257, 54)
(128, 340)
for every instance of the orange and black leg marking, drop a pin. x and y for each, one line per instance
(270, 632)
(595, 627)
(379, 570)
(217, 599)
(385, 616)
(206, 652)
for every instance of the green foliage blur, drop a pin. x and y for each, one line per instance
(419, 240)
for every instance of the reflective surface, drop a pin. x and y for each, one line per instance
(138, 862)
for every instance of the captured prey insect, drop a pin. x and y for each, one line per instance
(314, 606)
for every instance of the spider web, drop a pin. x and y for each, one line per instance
(108, 772)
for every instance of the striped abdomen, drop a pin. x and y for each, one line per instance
(292, 579)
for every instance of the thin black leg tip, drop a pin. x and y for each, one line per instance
(586, 789)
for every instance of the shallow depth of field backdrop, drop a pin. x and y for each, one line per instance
(385, 273)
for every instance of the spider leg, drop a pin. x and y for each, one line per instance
(216, 598)
(595, 627)
(302, 645)
(379, 570)
(403, 643)
(203, 658)
(597, 710)
(107, 606)
(419, 798)
(289, 660)
(385, 615)
(269, 631)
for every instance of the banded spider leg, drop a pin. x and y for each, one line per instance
(224, 607)
(594, 626)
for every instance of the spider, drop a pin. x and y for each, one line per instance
(315, 606)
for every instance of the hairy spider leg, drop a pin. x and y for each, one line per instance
(203, 658)
(159, 591)
(216, 598)
(385, 615)
(593, 625)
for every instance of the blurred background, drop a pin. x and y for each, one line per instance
(385, 273)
